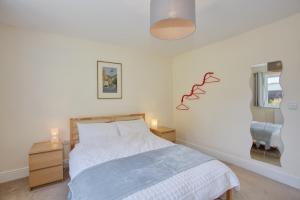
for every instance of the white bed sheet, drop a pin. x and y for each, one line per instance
(207, 181)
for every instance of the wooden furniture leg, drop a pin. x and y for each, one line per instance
(229, 194)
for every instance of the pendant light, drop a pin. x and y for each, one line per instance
(172, 19)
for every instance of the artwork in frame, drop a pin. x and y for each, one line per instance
(109, 80)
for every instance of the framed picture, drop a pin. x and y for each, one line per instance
(109, 80)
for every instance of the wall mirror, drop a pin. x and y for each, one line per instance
(267, 119)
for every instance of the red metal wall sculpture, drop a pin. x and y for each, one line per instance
(196, 90)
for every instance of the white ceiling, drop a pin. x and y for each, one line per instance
(126, 22)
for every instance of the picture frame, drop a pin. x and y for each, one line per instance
(109, 80)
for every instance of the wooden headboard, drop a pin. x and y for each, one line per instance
(74, 136)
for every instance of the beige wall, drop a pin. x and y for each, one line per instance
(220, 120)
(45, 79)
(271, 115)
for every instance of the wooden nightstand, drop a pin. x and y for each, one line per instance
(45, 163)
(166, 133)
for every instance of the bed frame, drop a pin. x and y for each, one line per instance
(229, 195)
(74, 136)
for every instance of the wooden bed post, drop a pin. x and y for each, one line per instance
(229, 194)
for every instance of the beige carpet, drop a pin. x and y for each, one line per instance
(271, 156)
(253, 187)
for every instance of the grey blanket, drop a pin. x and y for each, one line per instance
(118, 179)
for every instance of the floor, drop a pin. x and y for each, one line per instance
(253, 187)
(271, 156)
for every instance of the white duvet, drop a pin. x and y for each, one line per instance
(207, 181)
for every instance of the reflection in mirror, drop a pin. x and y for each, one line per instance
(267, 119)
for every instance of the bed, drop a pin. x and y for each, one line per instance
(208, 180)
(267, 134)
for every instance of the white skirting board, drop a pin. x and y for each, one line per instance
(6, 176)
(15, 174)
(251, 165)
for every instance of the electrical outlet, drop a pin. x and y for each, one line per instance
(293, 105)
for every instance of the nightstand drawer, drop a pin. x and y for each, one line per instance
(46, 175)
(171, 136)
(43, 160)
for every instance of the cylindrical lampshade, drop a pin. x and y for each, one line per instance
(172, 19)
(154, 123)
(54, 135)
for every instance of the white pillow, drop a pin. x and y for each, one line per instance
(127, 128)
(96, 132)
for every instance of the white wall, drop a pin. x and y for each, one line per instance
(45, 79)
(220, 120)
(271, 115)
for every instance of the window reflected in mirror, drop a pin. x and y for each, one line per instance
(267, 120)
(274, 91)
